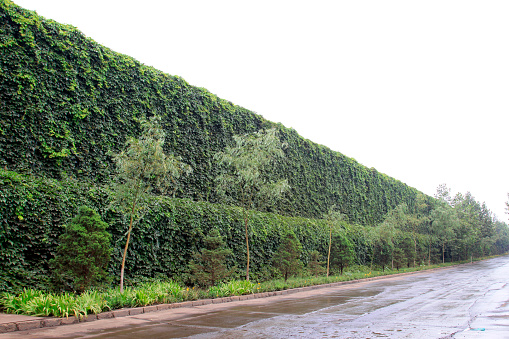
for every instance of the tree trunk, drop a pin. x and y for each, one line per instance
(125, 249)
(330, 243)
(372, 258)
(247, 245)
(443, 253)
(429, 253)
(415, 249)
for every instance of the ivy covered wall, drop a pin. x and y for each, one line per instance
(34, 211)
(66, 102)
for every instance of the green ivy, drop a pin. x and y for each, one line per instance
(67, 102)
(32, 211)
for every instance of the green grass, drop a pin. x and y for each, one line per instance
(236, 287)
(37, 303)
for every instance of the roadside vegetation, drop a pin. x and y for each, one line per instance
(429, 235)
(38, 303)
(155, 191)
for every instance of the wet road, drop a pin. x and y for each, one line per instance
(467, 301)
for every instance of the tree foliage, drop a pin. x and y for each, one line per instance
(208, 266)
(287, 258)
(507, 204)
(334, 219)
(33, 211)
(144, 169)
(244, 179)
(315, 266)
(83, 252)
(342, 253)
(444, 223)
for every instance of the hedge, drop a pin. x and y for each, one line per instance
(34, 211)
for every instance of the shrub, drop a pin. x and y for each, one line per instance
(209, 266)
(315, 266)
(342, 252)
(287, 256)
(83, 253)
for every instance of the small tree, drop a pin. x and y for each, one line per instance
(209, 266)
(286, 259)
(315, 265)
(382, 251)
(84, 251)
(143, 168)
(243, 180)
(507, 205)
(399, 258)
(444, 221)
(333, 218)
(342, 253)
(406, 244)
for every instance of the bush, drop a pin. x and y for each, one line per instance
(315, 266)
(342, 252)
(209, 266)
(287, 257)
(83, 253)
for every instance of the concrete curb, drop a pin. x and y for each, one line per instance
(124, 312)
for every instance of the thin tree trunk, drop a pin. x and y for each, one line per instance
(443, 253)
(330, 243)
(372, 258)
(429, 254)
(125, 249)
(247, 245)
(415, 249)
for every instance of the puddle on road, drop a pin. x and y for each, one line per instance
(225, 319)
(299, 306)
(195, 324)
(294, 306)
(152, 331)
(357, 310)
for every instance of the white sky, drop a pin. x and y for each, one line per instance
(417, 89)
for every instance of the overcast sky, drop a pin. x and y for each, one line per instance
(418, 90)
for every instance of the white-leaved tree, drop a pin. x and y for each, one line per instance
(243, 179)
(334, 219)
(507, 204)
(144, 175)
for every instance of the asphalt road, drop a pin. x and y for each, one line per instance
(466, 301)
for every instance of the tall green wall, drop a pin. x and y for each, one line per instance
(34, 212)
(66, 102)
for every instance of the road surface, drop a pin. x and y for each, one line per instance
(466, 301)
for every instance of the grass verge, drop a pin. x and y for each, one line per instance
(38, 303)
